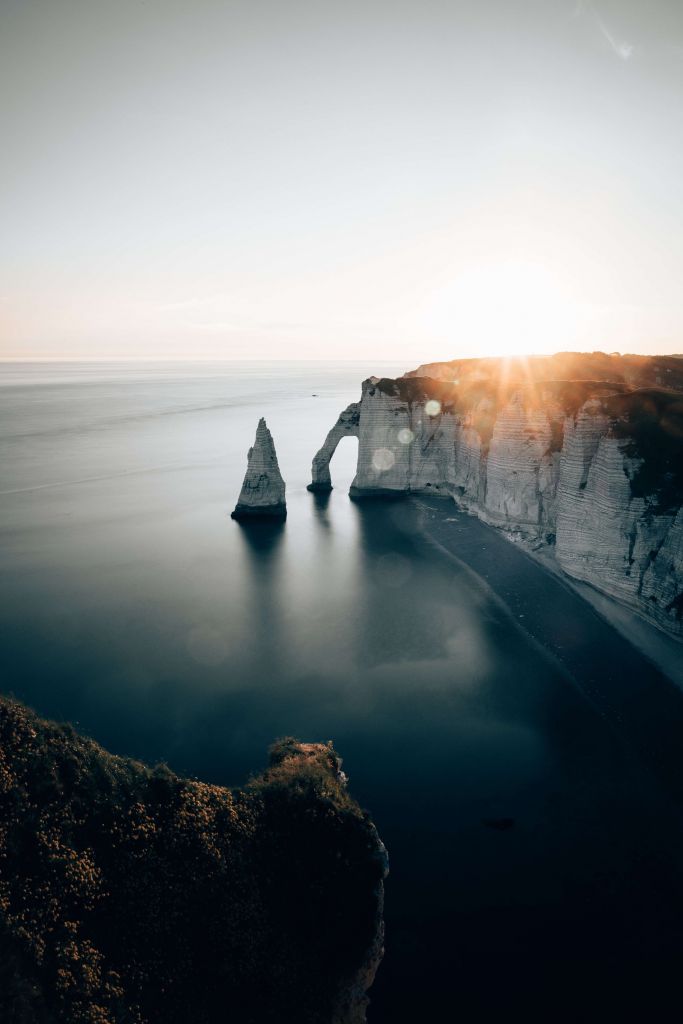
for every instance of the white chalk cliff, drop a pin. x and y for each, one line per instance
(263, 490)
(591, 469)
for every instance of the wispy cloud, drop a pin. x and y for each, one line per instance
(621, 47)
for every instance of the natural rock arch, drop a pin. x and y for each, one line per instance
(346, 426)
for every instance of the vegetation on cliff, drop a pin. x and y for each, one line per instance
(129, 894)
(632, 370)
(651, 421)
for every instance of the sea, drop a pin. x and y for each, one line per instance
(534, 835)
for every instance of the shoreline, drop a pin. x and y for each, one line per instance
(664, 651)
(628, 685)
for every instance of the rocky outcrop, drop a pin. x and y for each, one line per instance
(129, 894)
(591, 469)
(263, 491)
(346, 426)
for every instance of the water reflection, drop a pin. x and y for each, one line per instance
(403, 597)
(321, 504)
(262, 538)
(262, 579)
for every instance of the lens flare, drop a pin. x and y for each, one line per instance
(383, 459)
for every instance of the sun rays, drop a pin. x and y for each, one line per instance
(502, 309)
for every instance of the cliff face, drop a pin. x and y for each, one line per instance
(592, 469)
(132, 895)
(626, 544)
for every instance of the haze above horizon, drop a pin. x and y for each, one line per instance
(417, 180)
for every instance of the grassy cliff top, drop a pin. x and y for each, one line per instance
(461, 396)
(130, 894)
(632, 370)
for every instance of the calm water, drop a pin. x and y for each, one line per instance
(534, 858)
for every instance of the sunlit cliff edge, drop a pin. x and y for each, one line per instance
(579, 453)
(129, 894)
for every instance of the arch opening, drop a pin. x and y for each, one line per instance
(346, 426)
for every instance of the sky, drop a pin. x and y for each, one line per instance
(403, 179)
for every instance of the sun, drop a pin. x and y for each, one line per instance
(501, 309)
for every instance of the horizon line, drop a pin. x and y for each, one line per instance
(10, 360)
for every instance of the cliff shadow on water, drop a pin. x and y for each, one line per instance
(526, 774)
(624, 686)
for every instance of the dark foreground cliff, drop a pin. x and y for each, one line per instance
(129, 894)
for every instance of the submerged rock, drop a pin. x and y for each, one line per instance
(263, 491)
(130, 894)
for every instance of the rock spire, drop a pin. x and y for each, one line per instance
(263, 491)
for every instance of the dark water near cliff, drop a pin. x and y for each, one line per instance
(536, 858)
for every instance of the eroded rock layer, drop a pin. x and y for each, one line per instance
(591, 468)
